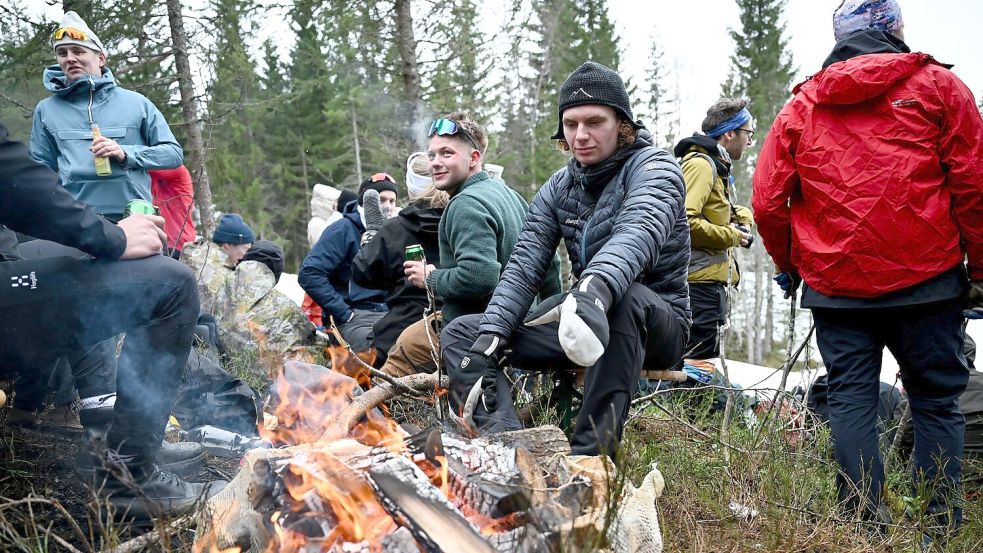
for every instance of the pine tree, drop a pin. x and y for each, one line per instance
(661, 106)
(762, 71)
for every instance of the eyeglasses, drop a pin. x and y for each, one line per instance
(72, 33)
(750, 133)
(379, 177)
(447, 127)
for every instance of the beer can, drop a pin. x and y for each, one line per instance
(142, 207)
(414, 252)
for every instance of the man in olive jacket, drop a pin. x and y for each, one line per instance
(716, 224)
(618, 205)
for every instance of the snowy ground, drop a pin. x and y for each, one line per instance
(288, 286)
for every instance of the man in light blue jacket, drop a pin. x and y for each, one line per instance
(134, 137)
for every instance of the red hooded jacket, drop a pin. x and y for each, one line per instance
(871, 179)
(173, 194)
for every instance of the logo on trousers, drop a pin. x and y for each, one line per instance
(24, 281)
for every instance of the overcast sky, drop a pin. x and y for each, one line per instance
(694, 36)
(695, 39)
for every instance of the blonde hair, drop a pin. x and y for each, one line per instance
(470, 126)
(437, 199)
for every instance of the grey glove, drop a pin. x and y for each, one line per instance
(373, 215)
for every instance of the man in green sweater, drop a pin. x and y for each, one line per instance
(477, 233)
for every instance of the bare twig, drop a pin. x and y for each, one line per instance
(143, 541)
(371, 399)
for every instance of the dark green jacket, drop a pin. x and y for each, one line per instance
(476, 236)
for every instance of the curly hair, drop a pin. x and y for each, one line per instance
(470, 126)
(626, 137)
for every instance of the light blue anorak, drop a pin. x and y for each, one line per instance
(61, 137)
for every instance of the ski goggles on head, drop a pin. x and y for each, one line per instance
(379, 177)
(446, 127)
(70, 32)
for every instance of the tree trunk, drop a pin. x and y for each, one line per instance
(358, 150)
(189, 107)
(406, 44)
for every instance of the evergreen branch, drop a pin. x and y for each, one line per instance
(27, 110)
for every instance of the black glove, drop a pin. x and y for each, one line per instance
(788, 282)
(582, 313)
(746, 230)
(974, 304)
(473, 386)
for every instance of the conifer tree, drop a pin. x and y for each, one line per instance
(762, 71)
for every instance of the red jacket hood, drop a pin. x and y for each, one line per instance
(864, 77)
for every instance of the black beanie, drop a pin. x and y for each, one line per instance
(384, 183)
(594, 84)
(346, 197)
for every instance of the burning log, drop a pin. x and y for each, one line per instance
(409, 497)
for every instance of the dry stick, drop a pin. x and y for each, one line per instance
(31, 500)
(144, 540)
(722, 349)
(371, 399)
(896, 444)
(369, 368)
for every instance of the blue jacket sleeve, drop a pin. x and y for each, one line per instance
(161, 151)
(533, 258)
(321, 265)
(43, 147)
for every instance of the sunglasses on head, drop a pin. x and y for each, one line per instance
(379, 177)
(69, 32)
(447, 127)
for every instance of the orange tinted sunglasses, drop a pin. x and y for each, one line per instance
(379, 177)
(70, 32)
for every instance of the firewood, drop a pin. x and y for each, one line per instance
(409, 497)
(361, 405)
(541, 441)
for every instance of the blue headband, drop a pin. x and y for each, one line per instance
(734, 122)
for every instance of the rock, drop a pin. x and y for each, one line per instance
(252, 315)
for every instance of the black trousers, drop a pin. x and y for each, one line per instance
(927, 340)
(86, 373)
(644, 331)
(708, 300)
(58, 306)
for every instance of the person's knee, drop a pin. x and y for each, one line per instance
(462, 328)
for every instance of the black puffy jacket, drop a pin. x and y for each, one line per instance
(624, 228)
(379, 265)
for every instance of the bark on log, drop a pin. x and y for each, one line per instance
(541, 441)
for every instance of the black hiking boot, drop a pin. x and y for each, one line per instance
(140, 491)
(182, 458)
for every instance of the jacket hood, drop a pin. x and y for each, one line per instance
(351, 213)
(420, 218)
(706, 145)
(864, 77)
(57, 83)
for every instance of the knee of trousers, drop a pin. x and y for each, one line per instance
(631, 309)
(180, 279)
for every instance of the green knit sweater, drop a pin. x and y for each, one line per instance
(476, 236)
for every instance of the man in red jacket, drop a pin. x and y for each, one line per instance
(869, 187)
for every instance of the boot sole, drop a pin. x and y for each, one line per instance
(143, 510)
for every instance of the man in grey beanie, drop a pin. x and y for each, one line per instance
(618, 205)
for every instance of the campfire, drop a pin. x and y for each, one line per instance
(343, 476)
